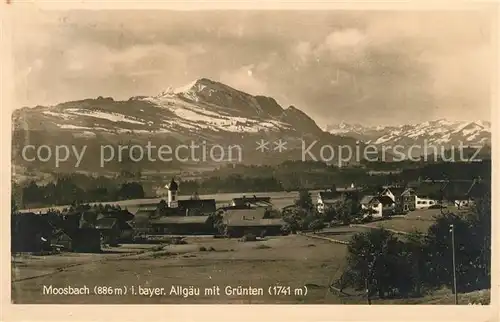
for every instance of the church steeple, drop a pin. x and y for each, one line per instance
(172, 187)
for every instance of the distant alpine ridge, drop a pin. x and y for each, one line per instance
(210, 111)
(439, 132)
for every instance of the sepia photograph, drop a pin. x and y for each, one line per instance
(252, 156)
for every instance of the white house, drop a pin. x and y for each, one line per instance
(428, 194)
(327, 199)
(378, 205)
(422, 203)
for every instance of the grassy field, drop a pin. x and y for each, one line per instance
(419, 220)
(279, 200)
(295, 261)
(291, 261)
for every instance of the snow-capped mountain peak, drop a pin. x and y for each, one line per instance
(439, 132)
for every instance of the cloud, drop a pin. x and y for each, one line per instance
(244, 79)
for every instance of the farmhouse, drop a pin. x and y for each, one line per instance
(377, 206)
(328, 199)
(255, 221)
(395, 193)
(252, 202)
(197, 207)
(84, 240)
(188, 225)
(61, 240)
(109, 230)
(422, 196)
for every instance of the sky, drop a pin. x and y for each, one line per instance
(367, 67)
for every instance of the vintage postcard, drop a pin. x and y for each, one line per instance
(257, 154)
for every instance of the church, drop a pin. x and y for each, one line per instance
(176, 216)
(190, 206)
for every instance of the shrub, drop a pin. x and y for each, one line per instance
(202, 249)
(262, 246)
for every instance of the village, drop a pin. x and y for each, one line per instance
(87, 228)
(300, 241)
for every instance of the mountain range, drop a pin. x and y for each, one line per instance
(438, 132)
(209, 111)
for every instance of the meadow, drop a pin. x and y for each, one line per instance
(279, 199)
(294, 262)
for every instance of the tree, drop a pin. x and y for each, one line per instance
(480, 222)
(372, 262)
(367, 214)
(13, 206)
(294, 218)
(347, 209)
(415, 256)
(217, 221)
(330, 214)
(472, 249)
(305, 201)
(316, 225)
(162, 207)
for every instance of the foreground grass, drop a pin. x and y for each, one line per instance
(294, 261)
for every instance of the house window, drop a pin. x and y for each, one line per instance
(431, 202)
(419, 202)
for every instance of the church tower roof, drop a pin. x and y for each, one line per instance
(172, 186)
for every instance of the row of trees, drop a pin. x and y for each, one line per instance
(65, 191)
(232, 183)
(294, 175)
(384, 264)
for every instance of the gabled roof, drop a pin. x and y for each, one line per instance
(250, 217)
(118, 214)
(172, 186)
(385, 200)
(180, 220)
(259, 222)
(396, 191)
(235, 216)
(329, 195)
(148, 207)
(252, 199)
(142, 216)
(106, 223)
(348, 189)
(367, 199)
(432, 190)
(205, 206)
